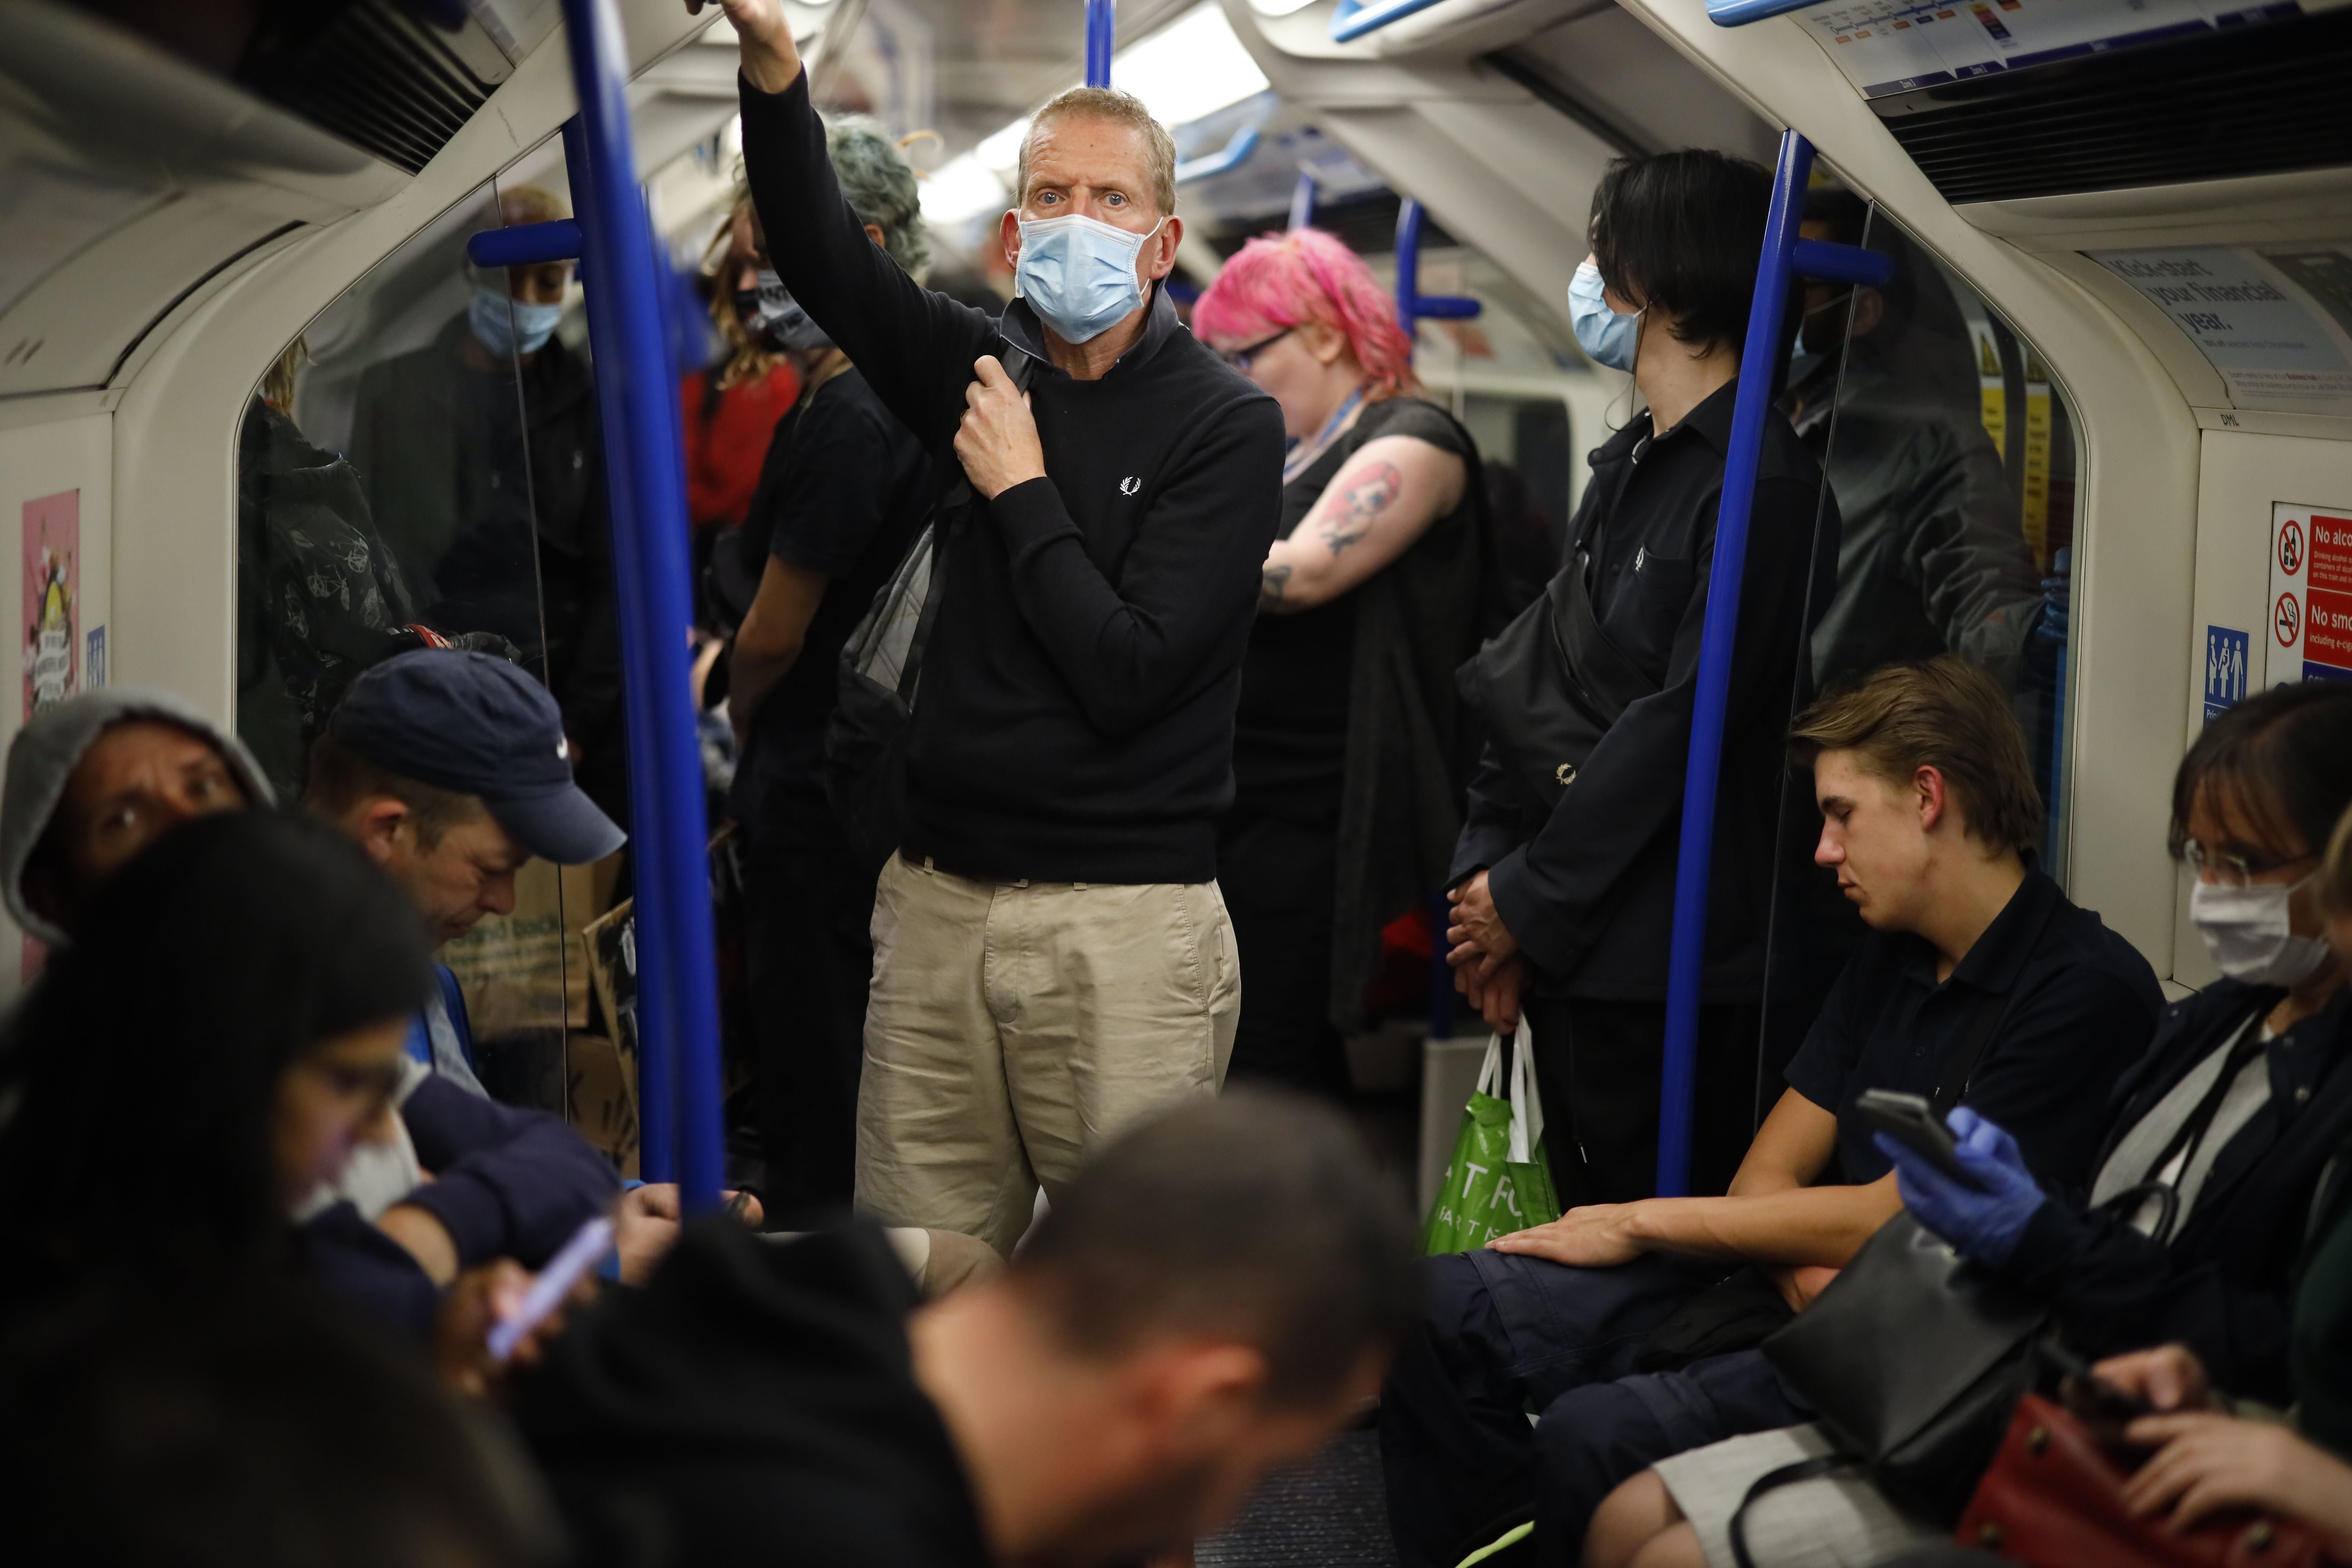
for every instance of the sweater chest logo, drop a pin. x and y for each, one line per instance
(1129, 485)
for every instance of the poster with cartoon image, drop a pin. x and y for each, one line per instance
(52, 580)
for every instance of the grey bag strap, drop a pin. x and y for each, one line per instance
(1021, 367)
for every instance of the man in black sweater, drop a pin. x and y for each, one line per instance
(1052, 957)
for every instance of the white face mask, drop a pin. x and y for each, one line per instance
(2248, 932)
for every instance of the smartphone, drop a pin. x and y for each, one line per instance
(1909, 1118)
(2090, 1396)
(582, 1252)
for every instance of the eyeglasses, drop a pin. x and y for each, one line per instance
(2234, 871)
(1240, 358)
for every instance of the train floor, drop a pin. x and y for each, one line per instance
(1325, 1513)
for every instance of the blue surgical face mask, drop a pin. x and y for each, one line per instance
(1079, 273)
(1610, 336)
(525, 331)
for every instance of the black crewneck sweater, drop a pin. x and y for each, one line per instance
(1076, 717)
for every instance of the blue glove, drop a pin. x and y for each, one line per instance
(1984, 1215)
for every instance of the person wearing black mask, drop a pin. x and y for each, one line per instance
(840, 499)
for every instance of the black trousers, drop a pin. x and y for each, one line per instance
(1277, 877)
(1598, 1069)
(807, 907)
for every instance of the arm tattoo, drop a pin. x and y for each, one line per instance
(1361, 505)
(1271, 582)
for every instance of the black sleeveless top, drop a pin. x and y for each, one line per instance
(1290, 732)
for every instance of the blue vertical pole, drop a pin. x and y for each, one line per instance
(678, 1014)
(1302, 201)
(1686, 961)
(1102, 31)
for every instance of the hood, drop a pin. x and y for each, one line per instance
(48, 748)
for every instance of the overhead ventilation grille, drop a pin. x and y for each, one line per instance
(2261, 100)
(380, 79)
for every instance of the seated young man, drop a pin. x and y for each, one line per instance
(1979, 984)
(94, 780)
(1213, 1296)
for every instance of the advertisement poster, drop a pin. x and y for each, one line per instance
(2276, 323)
(52, 579)
(2310, 629)
(1886, 47)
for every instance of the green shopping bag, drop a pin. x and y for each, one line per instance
(1499, 1180)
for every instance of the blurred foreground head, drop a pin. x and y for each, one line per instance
(1217, 1293)
(249, 1428)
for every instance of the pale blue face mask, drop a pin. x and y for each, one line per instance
(1610, 336)
(525, 331)
(1078, 274)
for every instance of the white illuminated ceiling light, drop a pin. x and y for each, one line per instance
(1278, 7)
(1193, 67)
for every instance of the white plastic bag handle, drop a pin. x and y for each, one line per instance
(1527, 1106)
(1490, 1076)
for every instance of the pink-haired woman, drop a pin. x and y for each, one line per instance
(1349, 753)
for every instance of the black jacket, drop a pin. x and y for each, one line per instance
(506, 1182)
(1587, 887)
(2222, 1286)
(492, 490)
(754, 1404)
(1076, 717)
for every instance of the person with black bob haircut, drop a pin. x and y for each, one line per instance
(1563, 881)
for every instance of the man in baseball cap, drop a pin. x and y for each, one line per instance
(451, 769)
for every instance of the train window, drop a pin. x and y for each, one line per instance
(1952, 455)
(420, 467)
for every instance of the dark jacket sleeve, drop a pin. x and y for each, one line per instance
(2117, 1291)
(369, 1272)
(506, 1182)
(1490, 827)
(1976, 583)
(914, 347)
(1130, 649)
(1554, 892)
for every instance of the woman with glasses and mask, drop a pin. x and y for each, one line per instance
(1349, 754)
(2202, 1201)
(225, 1030)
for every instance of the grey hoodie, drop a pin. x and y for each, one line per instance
(48, 748)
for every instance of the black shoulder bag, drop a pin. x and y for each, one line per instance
(882, 665)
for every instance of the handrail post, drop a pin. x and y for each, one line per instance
(1785, 256)
(1302, 201)
(1102, 30)
(678, 1015)
(1686, 961)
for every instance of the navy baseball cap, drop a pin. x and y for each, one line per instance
(474, 723)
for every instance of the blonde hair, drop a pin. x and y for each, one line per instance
(1124, 108)
(746, 361)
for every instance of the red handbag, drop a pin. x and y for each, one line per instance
(2053, 1498)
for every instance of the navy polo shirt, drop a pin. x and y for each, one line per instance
(2080, 1005)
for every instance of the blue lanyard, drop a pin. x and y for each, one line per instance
(1303, 455)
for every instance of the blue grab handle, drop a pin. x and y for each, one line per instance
(1686, 960)
(678, 1012)
(1351, 20)
(1411, 302)
(1841, 263)
(526, 244)
(1231, 156)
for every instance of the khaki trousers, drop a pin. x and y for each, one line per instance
(1012, 1027)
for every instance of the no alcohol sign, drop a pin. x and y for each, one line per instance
(2311, 595)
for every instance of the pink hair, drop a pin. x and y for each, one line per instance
(1281, 280)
